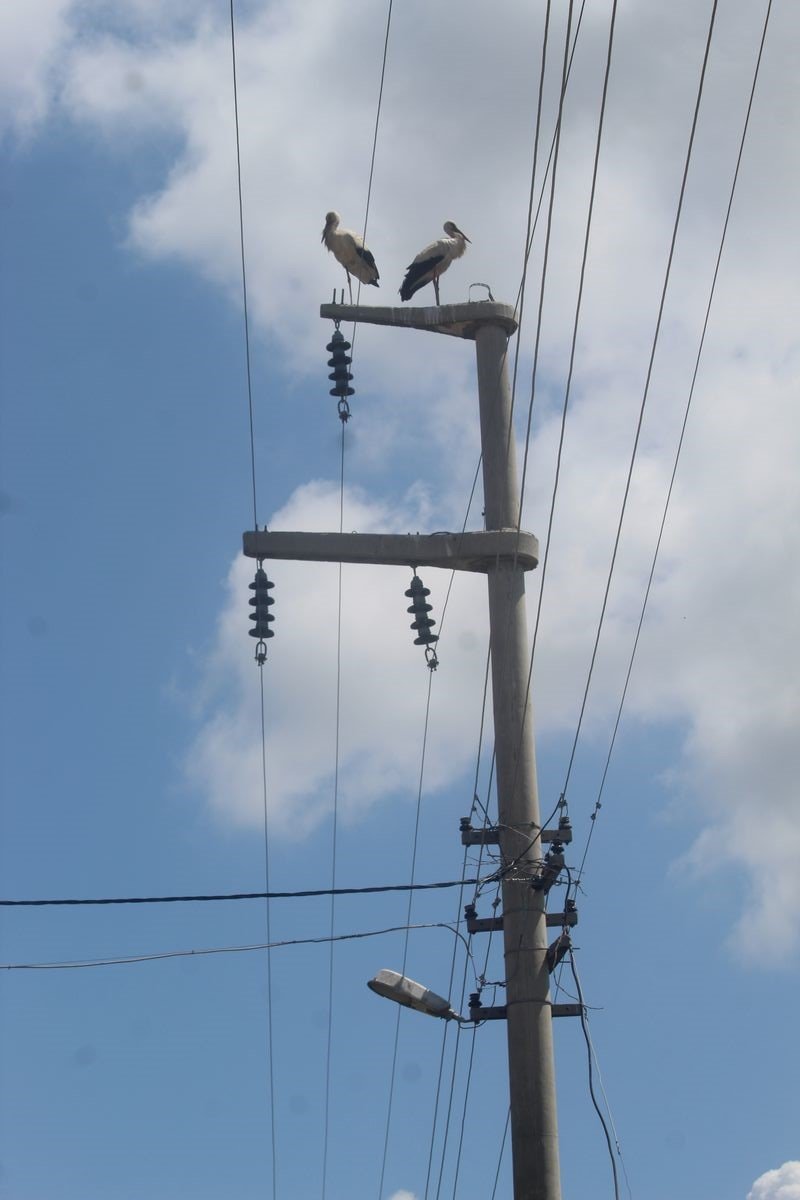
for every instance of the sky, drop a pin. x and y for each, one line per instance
(131, 705)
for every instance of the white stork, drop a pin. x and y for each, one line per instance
(433, 261)
(349, 249)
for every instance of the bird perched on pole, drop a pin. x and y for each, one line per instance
(349, 249)
(433, 261)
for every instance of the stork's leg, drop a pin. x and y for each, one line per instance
(436, 287)
(349, 285)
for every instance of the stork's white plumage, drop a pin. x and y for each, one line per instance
(349, 249)
(433, 261)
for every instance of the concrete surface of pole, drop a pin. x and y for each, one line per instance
(534, 1126)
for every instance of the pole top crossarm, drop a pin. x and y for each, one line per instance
(458, 320)
(480, 550)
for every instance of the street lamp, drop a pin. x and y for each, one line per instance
(405, 991)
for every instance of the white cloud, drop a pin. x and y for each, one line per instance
(718, 654)
(403, 1195)
(781, 1184)
(32, 36)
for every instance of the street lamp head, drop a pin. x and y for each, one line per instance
(405, 991)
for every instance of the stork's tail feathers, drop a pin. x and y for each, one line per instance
(412, 283)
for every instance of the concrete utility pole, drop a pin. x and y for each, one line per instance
(503, 555)
(531, 1068)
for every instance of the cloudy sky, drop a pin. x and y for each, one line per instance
(132, 754)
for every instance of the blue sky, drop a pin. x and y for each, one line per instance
(131, 755)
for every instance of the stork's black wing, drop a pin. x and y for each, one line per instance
(367, 256)
(418, 274)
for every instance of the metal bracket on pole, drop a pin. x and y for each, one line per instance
(553, 920)
(489, 835)
(499, 1012)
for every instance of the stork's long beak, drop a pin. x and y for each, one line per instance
(461, 231)
(322, 239)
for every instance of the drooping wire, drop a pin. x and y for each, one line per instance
(458, 546)
(368, 890)
(470, 1063)
(576, 321)
(480, 983)
(554, 155)
(377, 120)
(334, 834)
(271, 1069)
(405, 940)
(545, 259)
(451, 1091)
(645, 394)
(415, 842)
(533, 222)
(519, 307)
(591, 1058)
(270, 1043)
(531, 229)
(326, 1119)
(244, 269)
(205, 952)
(532, 233)
(651, 576)
(458, 917)
(378, 111)
(566, 66)
(500, 1155)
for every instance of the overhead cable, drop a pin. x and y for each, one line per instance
(407, 928)
(701, 344)
(352, 891)
(591, 1058)
(125, 960)
(259, 659)
(576, 321)
(645, 394)
(244, 271)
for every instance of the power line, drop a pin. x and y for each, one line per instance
(545, 259)
(123, 960)
(575, 324)
(244, 270)
(532, 233)
(471, 1061)
(590, 1052)
(700, 347)
(531, 220)
(645, 394)
(576, 321)
(377, 121)
(500, 1155)
(407, 929)
(271, 1073)
(455, 945)
(352, 891)
(335, 826)
(327, 1090)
